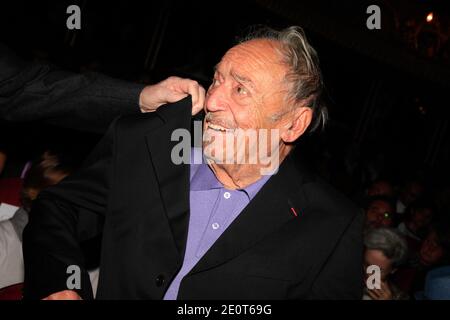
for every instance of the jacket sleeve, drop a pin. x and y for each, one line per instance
(342, 275)
(61, 218)
(81, 101)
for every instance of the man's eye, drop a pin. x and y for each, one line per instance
(241, 90)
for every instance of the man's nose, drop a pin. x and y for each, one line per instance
(216, 100)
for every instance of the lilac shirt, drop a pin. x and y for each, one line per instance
(212, 209)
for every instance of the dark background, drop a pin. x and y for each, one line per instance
(386, 89)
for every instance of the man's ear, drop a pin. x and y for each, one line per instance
(300, 121)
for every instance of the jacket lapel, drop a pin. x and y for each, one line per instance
(269, 210)
(173, 179)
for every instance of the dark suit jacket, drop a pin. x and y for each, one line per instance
(41, 92)
(132, 192)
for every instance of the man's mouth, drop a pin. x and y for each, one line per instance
(219, 128)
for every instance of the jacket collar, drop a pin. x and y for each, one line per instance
(269, 210)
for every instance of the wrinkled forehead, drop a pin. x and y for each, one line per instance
(260, 58)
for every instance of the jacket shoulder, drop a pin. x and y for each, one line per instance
(322, 197)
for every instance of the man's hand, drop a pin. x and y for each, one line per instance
(64, 295)
(171, 90)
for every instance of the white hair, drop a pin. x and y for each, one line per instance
(388, 241)
(304, 78)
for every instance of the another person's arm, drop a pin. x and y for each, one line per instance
(30, 92)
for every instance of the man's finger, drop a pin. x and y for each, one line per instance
(197, 93)
(200, 101)
(176, 96)
(193, 90)
(171, 90)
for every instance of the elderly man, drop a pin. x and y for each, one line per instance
(217, 229)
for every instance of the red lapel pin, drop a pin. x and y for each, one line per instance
(292, 208)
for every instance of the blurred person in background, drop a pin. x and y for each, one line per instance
(379, 212)
(381, 187)
(10, 181)
(433, 252)
(437, 285)
(417, 220)
(387, 249)
(46, 171)
(408, 193)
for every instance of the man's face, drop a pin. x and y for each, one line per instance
(247, 92)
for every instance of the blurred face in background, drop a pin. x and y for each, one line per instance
(44, 172)
(431, 252)
(411, 192)
(377, 257)
(53, 177)
(421, 217)
(379, 213)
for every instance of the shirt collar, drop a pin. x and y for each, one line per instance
(203, 179)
